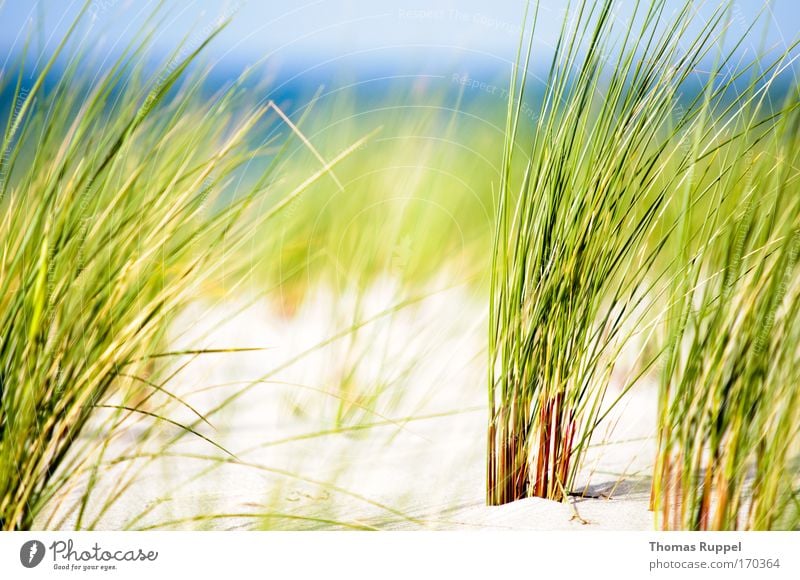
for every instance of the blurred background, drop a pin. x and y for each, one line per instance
(428, 81)
(324, 35)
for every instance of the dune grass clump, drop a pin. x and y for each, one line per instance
(730, 402)
(581, 223)
(119, 201)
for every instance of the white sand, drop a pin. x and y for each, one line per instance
(417, 375)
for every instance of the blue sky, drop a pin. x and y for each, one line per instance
(350, 32)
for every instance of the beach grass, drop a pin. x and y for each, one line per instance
(642, 196)
(121, 203)
(590, 205)
(728, 437)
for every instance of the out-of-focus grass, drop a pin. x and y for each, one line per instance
(728, 437)
(119, 203)
(414, 204)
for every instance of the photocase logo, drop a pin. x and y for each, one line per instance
(31, 553)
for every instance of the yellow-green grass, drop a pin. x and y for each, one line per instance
(120, 203)
(588, 212)
(728, 436)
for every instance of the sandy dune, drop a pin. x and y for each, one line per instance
(384, 428)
